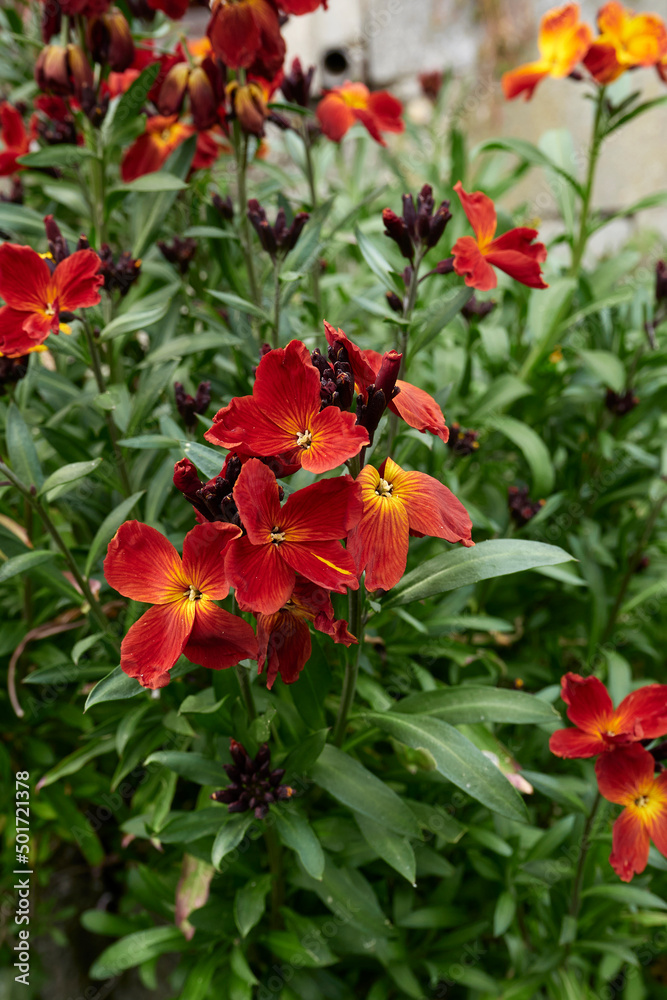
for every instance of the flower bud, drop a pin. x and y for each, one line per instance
(296, 84)
(660, 281)
(249, 106)
(189, 406)
(397, 230)
(180, 251)
(110, 40)
(63, 70)
(394, 302)
(172, 92)
(224, 206)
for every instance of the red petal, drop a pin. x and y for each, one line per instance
(142, 565)
(301, 6)
(657, 826)
(335, 438)
(386, 110)
(516, 255)
(14, 134)
(325, 510)
(589, 705)
(261, 577)
(77, 280)
(287, 388)
(576, 743)
(235, 30)
(174, 9)
(155, 642)
(14, 340)
(419, 410)
(630, 846)
(338, 630)
(625, 774)
(8, 164)
(523, 80)
(24, 278)
(480, 212)
(431, 508)
(242, 426)
(643, 714)
(470, 262)
(256, 496)
(365, 364)
(325, 563)
(379, 543)
(285, 645)
(218, 639)
(204, 557)
(334, 116)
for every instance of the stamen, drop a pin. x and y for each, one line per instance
(384, 489)
(277, 536)
(642, 801)
(304, 439)
(193, 594)
(50, 311)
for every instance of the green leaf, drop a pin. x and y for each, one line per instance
(54, 484)
(24, 562)
(348, 781)
(469, 704)
(450, 303)
(108, 529)
(530, 154)
(192, 766)
(21, 449)
(502, 392)
(157, 181)
(229, 837)
(606, 367)
(62, 156)
(548, 308)
(208, 460)
(202, 703)
(242, 305)
(456, 758)
(296, 832)
(21, 220)
(154, 208)
(462, 567)
(534, 450)
(187, 826)
(631, 895)
(130, 104)
(113, 687)
(189, 343)
(395, 850)
(137, 318)
(76, 760)
(135, 949)
(210, 232)
(375, 259)
(250, 903)
(300, 760)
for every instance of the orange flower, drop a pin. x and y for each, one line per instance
(341, 107)
(514, 252)
(563, 42)
(627, 777)
(148, 153)
(626, 41)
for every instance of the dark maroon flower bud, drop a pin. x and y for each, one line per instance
(461, 442)
(141, 8)
(431, 84)
(180, 251)
(213, 500)
(224, 207)
(58, 247)
(280, 238)
(522, 508)
(119, 275)
(296, 84)
(660, 281)
(476, 309)
(110, 40)
(253, 785)
(445, 266)
(620, 403)
(12, 370)
(396, 229)
(437, 224)
(380, 394)
(15, 194)
(63, 70)
(394, 302)
(189, 406)
(94, 106)
(643, 564)
(336, 378)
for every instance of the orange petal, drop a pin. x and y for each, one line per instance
(155, 642)
(432, 509)
(219, 639)
(480, 212)
(379, 543)
(334, 116)
(524, 79)
(142, 565)
(204, 557)
(630, 846)
(625, 774)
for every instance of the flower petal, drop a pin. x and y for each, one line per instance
(285, 646)
(657, 826)
(334, 116)
(24, 278)
(625, 773)
(589, 705)
(335, 438)
(630, 846)
(155, 642)
(219, 639)
(419, 410)
(12, 128)
(76, 281)
(480, 212)
(287, 387)
(379, 543)
(244, 427)
(432, 509)
(576, 743)
(256, 496)
(14, 340)
(643, 714)
(469, 262)
(524, 79)
(325, 563)
(142, 565)
(516, 255)
(262, 579)
(204, 557)
(326, 510)
(365, 364)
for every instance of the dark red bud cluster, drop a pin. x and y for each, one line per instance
(620, 403)
(474, 309)
(522, 508)
(94, 105)
(336, 377)
(296, 84)
(419, 227)
(280, 238)
(254, 786)
(189, 406)
(110, 41)
(203, 85)
(180, 251)
(58, 246)
(431, 84)
(63, 70)
(380, 394)
(213, 500)
(12, 370)
(660, 281)
(119, 275)
(224, 207)
(461, 442)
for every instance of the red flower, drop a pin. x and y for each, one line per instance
(412, 404)
(341, 107)
(150, 151)
(284, 637)
(600, 727)
(301, 537)
(297, 7)
(36, 296)
(175, 9)
(513, 252)
(142, 565)
(15, 138)
(627, 777)
(283, 416)
(245, 33)
(397, 504)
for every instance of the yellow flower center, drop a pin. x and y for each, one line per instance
(384, 489)
(50, 311)
(642, 801)
(277, 536)
(193, 593)
(304, 439)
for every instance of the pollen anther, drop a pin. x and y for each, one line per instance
(277, 536)
(193, 593)
(384, 489)
(304, 439)
(642, 801)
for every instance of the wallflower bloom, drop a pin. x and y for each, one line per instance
(150, 151)
(15, 138)
(627, 777)
(303, 537)
(246, 32)
(599, 726)
(563, 42)
(514, 252)
(283, 416)
(626, 41)
(397, 504)
(36, 296)
(142, 565)
(284, 637)
(378, 111)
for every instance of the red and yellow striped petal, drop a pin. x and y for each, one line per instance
(142, 565)
(327, 564)
(379, 543)
(470, 263)
(219, 639)
(625, 774)
(324, 511)
(575, 743)
(155, 642)
(431, 508)
(524, 79)
(335, 438)
(419, 410)
(630, 846)
(589, 705)
(204, 557)
(262, 579)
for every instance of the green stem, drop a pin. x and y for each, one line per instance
(310, 175)
(575, 899)
(111, 427)
(246, 691)
(98, 187)
(402, 341)
(275, 852)
(352, 666)
(241, 150)
(275, 332)
(597, 136)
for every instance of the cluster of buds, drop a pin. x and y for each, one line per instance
(474, 309)
(224, 207)
(336, 377)
(380, 394)
(418, 229)
(189, 406)
(202, 83)
(296, 84)
(280, 238)
(248, 104)
(254, 786)
(55, 123)
(620, 403)
(461, 442)
(522, 508)
(58, 245)
(119, 275)
(431, 84)
(179, 252)
(214, 500)
(12, 370)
